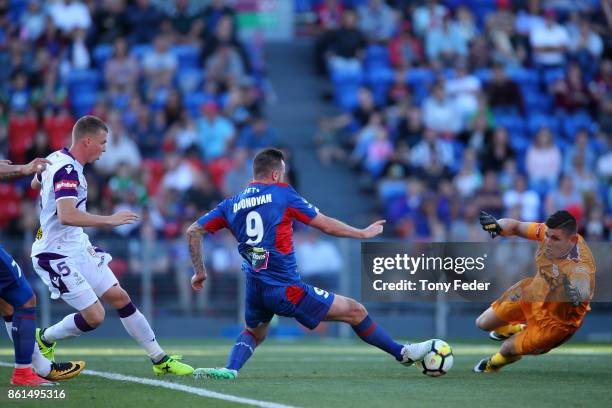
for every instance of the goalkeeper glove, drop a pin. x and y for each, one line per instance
(490, 224)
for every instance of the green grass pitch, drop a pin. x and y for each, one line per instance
(331, 373)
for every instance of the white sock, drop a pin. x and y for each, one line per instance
(41, 365)
(138, 327)
(64, 329)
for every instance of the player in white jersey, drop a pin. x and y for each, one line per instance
(74, 269)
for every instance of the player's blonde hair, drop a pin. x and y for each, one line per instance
(87, 126)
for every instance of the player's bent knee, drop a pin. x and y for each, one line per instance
(94, 315)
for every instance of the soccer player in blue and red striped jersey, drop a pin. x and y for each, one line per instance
(260, 218)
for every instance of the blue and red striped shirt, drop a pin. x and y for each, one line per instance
(261, 219)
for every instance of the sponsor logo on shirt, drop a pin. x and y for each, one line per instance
(66, 185)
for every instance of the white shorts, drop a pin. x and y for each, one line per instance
(78, 279)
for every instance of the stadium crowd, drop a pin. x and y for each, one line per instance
(452, 107)
(182, 94)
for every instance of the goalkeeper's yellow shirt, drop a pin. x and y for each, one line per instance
(546, 297)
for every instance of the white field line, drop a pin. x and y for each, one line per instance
(178, 387)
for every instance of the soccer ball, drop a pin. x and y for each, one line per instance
(439, 360)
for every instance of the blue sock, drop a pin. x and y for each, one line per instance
(242, 351)
(24, 325)
(375, 335)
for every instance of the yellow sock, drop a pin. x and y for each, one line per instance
(498, 361)
(509, 329)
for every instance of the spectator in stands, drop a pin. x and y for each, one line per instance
(320, 259)
(468, 180)
(201, 196)
(440, 113)
(68, 15)
(40, 146)
(377, 21)
(329, 14)
(225, 65)
(520, 197)
(119, 148)
(585, 45)
(489, 197)
(565, 197)
(549, 42)
(508, 50)
(215, 132)
(379, 151)
(503, 92)
(347, 45)
(466, 24)
(213, 14)
(463, 88)
(571, 93)
(32, 23)
(580, 148)
(109, 19)
(427, 17)
(497, 150)
(530, 19)
(160, 63)
(410, 127)
(257, 135)
(19, 93)
(121, 72)
(143, 20)
(239, 175)
(583, 178)
(445, 43)
(186, 24)
(543, 161)
(179, 174)
(225, 34)
(77, 56)
(405, 49)
(432, 146)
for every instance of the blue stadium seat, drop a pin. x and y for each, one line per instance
(537, 121)
(523, 76)
(422, 76)
(188, 55)
(138, 51)
(101, 54)
(379, 81)
(553, 75)
(581, 120)
(377, 56)
(537, 102)
(83, 102)
(193, 101)
(513, 123)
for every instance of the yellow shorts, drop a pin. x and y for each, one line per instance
(538, 337)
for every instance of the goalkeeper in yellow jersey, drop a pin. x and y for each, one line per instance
(542, 312)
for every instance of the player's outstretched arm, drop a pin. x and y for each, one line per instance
(506, 227)
(11, 171)
(332, 226)
(195, 235)
(68, 214)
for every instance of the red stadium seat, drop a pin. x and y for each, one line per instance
(9, 204)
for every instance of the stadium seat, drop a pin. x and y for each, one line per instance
(83, 103)
(536, 122)
(379, 81)
(9, 204)
(188, 55)
(139, 51)
(101, 54)
(573, 123)
(377, 57)
(536, 102)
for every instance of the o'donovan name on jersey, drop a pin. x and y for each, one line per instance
(252, 202)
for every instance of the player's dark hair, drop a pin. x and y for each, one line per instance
(88, 126)
(564, 221)
(266, 161)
